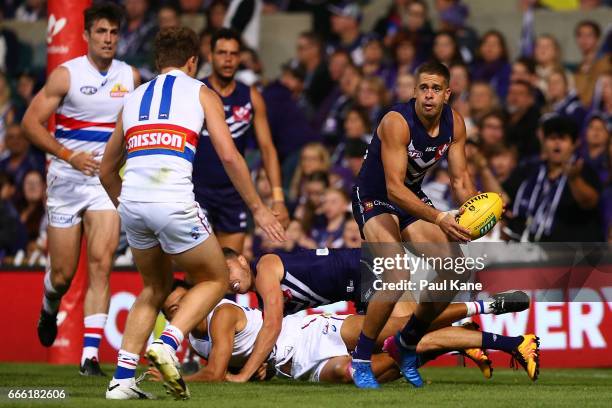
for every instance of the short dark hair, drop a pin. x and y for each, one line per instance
(6, 178)
(174, 46)
(225, 34)
(528, 63)
(314, 38)
(318, 176)
(559, 125)
(435, 68)
(229, 253)
(363, 115)
(588, 23)
(107, 11)
(180, 283)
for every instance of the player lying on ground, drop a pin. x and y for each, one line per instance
(289, 283)
(316, 347)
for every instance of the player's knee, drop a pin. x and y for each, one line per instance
(427, 343)
(61, 277)
(100, 265)
(154, 295)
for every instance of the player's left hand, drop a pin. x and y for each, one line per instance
(280, 212)
(235, 378)
(261, 373)
(154, 375)
(269, 224)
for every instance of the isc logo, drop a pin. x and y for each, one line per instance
(156, 139)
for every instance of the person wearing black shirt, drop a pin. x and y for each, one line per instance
(558, 202)
(522, 118)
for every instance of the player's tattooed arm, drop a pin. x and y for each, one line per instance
(461, 181)
(269, 157)
(394, 137)
(112, 161)
(267, 283)
(234, 164)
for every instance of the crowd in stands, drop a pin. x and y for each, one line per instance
(328, 99)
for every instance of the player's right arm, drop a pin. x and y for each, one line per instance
(222, 331)
(267, 284)
(234, 164)
(394, 137)
(41, 108)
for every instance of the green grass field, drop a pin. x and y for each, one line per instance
(447, 387)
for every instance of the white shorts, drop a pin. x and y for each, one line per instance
(67, 201)
(176, 227)
(319, 341)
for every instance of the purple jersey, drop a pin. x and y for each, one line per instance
(208, 170)
(423, 153)
(318, 277)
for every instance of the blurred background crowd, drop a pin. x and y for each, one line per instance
(328, 98)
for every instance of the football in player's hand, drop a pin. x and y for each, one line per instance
(481, 213)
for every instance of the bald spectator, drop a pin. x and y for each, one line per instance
(522, 118)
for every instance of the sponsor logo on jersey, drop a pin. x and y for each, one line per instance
(414, 154)
(287, 295)
(118, 91)
(88, 90)
(156, 139)
(441, 150)
(368, 205)
(241, 113)
(431, 149)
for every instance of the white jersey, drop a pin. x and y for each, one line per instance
(86, 116)
(243, 341)
(162, 120)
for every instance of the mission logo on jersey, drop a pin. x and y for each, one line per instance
(156, 139)
(161, 139)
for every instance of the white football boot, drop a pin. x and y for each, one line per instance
(118, 391)
(164, 358)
